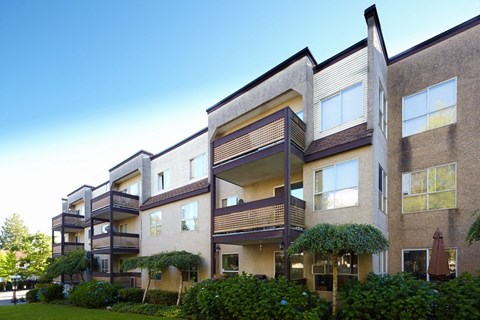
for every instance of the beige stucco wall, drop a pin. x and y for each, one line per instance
(124, 184)
(455, 57)
(178, 162)
(362, 213)
(173, 238)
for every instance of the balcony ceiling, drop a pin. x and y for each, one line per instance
(260, 170)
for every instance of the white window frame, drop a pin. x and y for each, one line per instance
(329, 262)
(428, 112)
(105, 265)
(163, 180)
(157, 227)
(427, 193)
(340, 95)
(229, 201)
(184, 220)
(334, 165)
(383, 111)
(428, 259)
(198, 166)
(230, 271)
(382, 193)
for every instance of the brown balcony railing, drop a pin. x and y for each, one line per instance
(124, 279)
(259, 215)
(68, 219)
(67, 247)
(120, 200)
(120, 240)
(267, 131)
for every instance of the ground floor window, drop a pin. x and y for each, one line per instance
(230, 264)
(297, 263)
(105, 265)
(416, 262)
(322, 269)
(190, 276)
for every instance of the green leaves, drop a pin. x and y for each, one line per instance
(473, 233)
(182, 260)
(75, 262)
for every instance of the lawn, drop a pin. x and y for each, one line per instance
(37, 311)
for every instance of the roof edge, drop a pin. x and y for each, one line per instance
(341, 55)
(371, 12)
(130, 158)
(297, 56)
(436, 39)
(188, 139)
(84, 186)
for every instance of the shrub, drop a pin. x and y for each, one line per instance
(459, 298)
(245, 297)
(32, 295)
(164, 298)
(147, 309)
(397, 296)
(134, 295)
(94, 294)
(50, 292)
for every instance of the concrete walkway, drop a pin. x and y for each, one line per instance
(6, 297)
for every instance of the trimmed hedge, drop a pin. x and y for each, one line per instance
(50, 292)
(159, 297)
(245, 297)
(32, 295)
(94, 294)
(459, 298)
(134, 295)
(147, 309)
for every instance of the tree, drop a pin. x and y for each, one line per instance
(38, 251)
(71, 263)
(337, 240)
(14, 234)
(182, 260)
(473, 233)
(8, 265)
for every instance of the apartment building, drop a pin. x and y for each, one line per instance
(352, 139)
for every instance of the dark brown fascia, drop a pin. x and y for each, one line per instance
(341, 55)
(372, 12)
(193, 136)
(165, 199)
(438, 38)
(302, 53)
(130, 158)
(84, 186)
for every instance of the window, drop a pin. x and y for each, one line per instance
(382, 112)
(105, 265)
(131, 189)
(430, 189)
(189, 216)
(382, 260)
(429, 109)
(155, 223)
(122, 228)
(155, 275)
(297, 264)
(299, 114)
(198, 166)
(163, 180)
(229, 201)
(77, 238)
(296, 190)
(230, 264)
(190, 276)
(382, 189)
(343, 107)
(416, 262)
(322, 269)
(336, 186)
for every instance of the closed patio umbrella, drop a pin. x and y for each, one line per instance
(438, 265)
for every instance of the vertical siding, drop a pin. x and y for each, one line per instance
(335, 78)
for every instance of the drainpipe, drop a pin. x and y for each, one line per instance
(286, 193)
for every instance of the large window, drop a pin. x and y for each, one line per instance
(336, 186)
(382, 189)
(198, 166)
(430, 189)
(382, 112)
(189, 216)
(155, 223)
(163, 182)
(229, 201)
(230, 264)
(429, 109)
(105, 265)
(416, 262)
(296, 190)
(322, 269)
(343, 107)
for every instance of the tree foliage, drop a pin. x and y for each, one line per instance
(473, 233)
(14, 234)
(337, 240)
(75, 262)
(38, 251)
(182, 260)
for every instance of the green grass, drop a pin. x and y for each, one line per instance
(38, 311)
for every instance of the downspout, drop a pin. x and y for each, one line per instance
(286, 188)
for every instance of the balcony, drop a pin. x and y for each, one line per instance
(67, 247)
(266, 215)
(267, 131)
(124, 279)
(69, 222)
(121, 205)
(123, 243)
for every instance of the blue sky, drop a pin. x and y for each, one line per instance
(85, 84)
